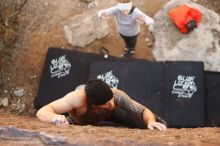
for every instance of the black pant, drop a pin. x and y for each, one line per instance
(130, 41)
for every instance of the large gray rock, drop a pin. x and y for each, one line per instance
(202, 44)
(83, 29)
(14, 136)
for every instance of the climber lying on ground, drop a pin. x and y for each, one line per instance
(96, 102)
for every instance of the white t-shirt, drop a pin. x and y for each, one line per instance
(128, 25)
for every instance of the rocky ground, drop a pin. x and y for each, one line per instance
(28, 28)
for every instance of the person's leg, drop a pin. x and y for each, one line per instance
(126, 51)
(132, 43)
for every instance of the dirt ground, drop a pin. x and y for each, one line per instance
(26, 39)
(113, 136)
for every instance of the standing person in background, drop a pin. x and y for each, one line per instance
(128, 18)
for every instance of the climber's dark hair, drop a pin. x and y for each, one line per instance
(98, 92)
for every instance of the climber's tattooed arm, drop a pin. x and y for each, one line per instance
(128, 109)
(125, 102)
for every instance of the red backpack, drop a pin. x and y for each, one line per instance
(185, 18)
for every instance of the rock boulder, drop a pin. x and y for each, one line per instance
(83, 29)
(202, 44)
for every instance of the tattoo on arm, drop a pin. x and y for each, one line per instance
(127, 110)
(133, 108)
(127, 103)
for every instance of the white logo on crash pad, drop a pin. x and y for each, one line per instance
(184, 86)
(110, 79)
(60, 67)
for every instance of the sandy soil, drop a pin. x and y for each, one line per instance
(113, 136)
